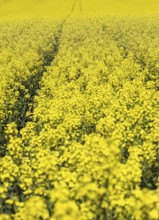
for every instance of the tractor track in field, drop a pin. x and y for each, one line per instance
(81, 6)
(33, 83)
(24, 107)
(49, 61)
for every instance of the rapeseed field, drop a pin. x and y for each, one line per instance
(79, 110)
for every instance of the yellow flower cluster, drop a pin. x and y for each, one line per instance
(26, 48)
(79, 119)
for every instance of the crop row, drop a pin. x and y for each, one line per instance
(89, 148)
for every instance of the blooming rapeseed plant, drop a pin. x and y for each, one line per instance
(79, 115)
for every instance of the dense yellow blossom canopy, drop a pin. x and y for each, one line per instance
(11, 9)
(79, 110)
